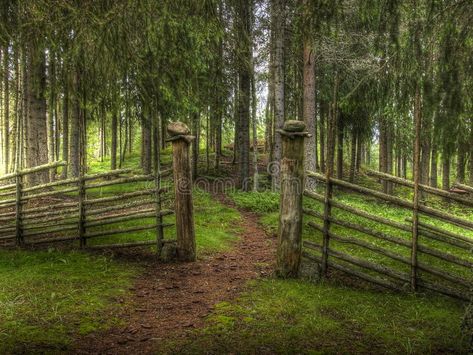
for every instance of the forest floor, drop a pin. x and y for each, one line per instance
(169, 300)
(56, 301)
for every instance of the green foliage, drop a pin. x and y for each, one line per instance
(260, 202)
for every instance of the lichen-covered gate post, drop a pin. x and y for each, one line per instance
(180, 137)
(292, 188)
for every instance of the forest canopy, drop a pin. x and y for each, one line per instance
(108, 75)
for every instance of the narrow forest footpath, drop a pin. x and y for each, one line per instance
(169, 300)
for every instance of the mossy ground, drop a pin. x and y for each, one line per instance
(291, 317)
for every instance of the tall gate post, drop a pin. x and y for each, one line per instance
(180, 137)
(292, 188)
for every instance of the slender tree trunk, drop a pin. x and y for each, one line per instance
(51, 113)
(244, 95)
(461, 162)
(195, 144)
(309, 113)
(146, 144)
(6, 110)
(426, 149)
(433, 166)
(74, 153)
(389, 157)
(114, 132)
(323, 113)
(16, 138)
(254, 104)
(340, 138)
(65, 128)
(445, 171)
(353, 158)
(37, 151)
(278, 17)
(359, 151)
(471, 151)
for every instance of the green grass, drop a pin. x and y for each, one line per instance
(49, 297)
(215, 226)
(290, 317)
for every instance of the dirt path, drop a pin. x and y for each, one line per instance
(169, 300)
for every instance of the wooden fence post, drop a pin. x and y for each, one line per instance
(180, 137)
(292, 188)
(18, 206)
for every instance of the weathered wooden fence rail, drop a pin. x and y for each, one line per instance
(401, 255)
(76, 210)
(446, 281)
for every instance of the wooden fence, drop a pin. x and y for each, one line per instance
(412, 252)
(451, 276)
(76, 210)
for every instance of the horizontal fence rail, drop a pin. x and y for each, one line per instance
(446, 272)
(75, 210)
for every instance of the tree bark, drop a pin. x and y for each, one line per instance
(146, 144)
(445, 171)
(244, 78)
(36, 133)
(65, 128)
(471, 151)
(353, 157)
(309, 107)
(340, 139)
(114, 132)
(461, 162)
(75, 134)
(433, 166)
(278, 17)
(323, 115)
(6, 111)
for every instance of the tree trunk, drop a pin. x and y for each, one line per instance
(254, 106)
(65, 128)
(195, 144)
(323, 113)
(309, 113)
(471, 151)
(461, 162)
(114, 132)
(74, 154)
(353, 157)
(51, 113)
(340, 137)
(433, 167)
(245, 57)
(359, 151)
(445, 171)
(36, 133)
(425, 158)
(6, 111)
(278, 17)
(146, 144)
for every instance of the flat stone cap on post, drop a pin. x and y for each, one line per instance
(293, 128)
(178, 130)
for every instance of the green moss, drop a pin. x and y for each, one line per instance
(47, 298)
(279, 316)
